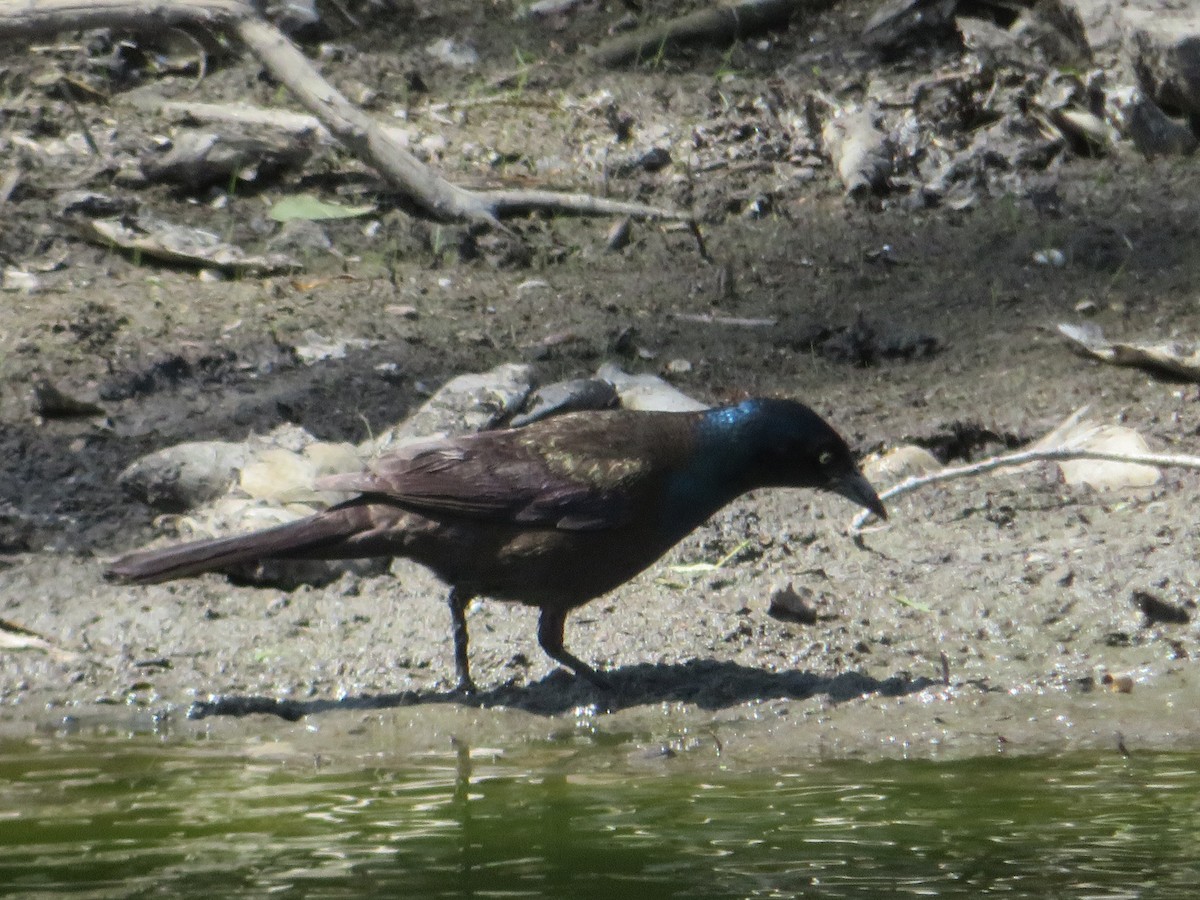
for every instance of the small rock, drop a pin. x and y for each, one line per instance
(15, 279)
(51, 403)
(647, 391)
(186, 475)
(453, 53)
(566, 396)
(1050, 257)
(861, 153)
(1119, 684)
(791, 605)
(464, 404)
(1155, 609)
(302, 238)
(317, 348)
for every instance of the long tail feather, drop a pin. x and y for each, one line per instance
(315, 536)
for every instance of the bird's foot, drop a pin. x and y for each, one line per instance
(466, 687)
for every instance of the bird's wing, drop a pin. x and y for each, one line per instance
(509, 476)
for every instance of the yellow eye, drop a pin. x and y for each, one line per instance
(825, 458)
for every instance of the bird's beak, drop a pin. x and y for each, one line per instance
(855, 487)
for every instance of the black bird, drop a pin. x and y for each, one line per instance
(551, 515)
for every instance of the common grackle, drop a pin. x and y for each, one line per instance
(551, 515)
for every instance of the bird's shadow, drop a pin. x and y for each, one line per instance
(708, 684)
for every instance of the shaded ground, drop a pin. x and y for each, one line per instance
(1024, 585)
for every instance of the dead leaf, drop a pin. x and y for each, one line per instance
(145, 236)
(16, 637)
(1080, 433)
(1180, 358)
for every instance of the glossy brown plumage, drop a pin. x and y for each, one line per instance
(551, 515)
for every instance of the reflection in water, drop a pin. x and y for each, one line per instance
(135, 818)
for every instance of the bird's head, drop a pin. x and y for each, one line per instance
(789, 445)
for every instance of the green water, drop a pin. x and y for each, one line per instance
(140, 817)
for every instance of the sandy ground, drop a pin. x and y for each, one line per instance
(983, 618)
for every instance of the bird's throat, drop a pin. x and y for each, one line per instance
(718, 467)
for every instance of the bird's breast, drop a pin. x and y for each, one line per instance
(542, 566)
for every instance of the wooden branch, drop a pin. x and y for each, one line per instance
(46, 18)
(514, 202)
(356, 130)
(1020, 458)
(502, 202)
(240, 114)
(378, 146)
(721, 23)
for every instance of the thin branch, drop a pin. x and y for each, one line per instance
(46, 18)
(354, 128)
(524, 201)
(378, 146)
(722, 23)
(240, 114)
(1008, 460)
(501, 202)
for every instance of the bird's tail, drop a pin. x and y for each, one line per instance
(317, 536)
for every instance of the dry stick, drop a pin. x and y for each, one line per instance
(729, 321)
(46, 18)
(377, 146)
(355, 129)
(1161, 460)
(721, 23)
(359, 132)
(242, 114)
(501, 202)
(249, 115)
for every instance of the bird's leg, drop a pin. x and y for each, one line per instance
(550, 636)
(458, 613)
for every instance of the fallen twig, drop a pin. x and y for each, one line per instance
(242, 114)
(731, 321)
(723, 23)
(1020, 458)
(376, 145)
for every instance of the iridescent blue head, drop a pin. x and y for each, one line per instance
(783, 443)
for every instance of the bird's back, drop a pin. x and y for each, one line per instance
(554, 513)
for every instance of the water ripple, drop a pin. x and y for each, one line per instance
(129, 818)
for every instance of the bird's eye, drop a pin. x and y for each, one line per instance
(825, 458)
